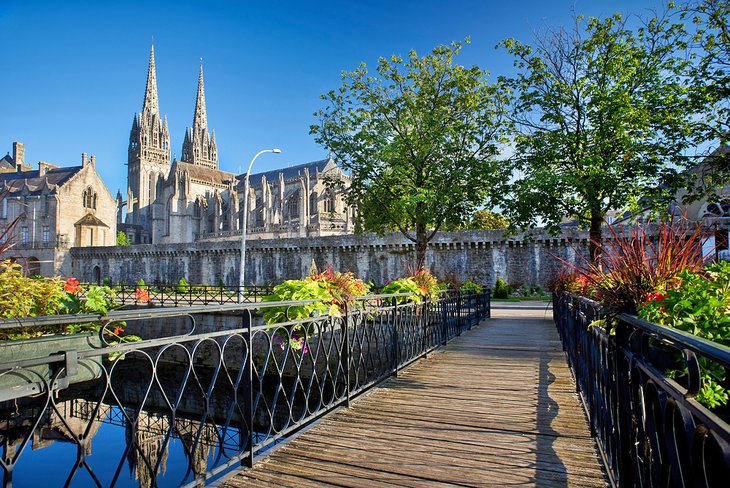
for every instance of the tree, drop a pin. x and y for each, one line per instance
(602, 118)
(122, 239)
(419, 139)
(486, 220)
(483, 220)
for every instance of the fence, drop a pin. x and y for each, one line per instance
(223, 391)
(187, 295)
(651, 430)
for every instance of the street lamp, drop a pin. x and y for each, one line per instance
(245, 221)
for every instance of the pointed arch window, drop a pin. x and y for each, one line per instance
(292, 206)
(329, 201)
(89, 198)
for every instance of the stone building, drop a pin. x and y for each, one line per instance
(57, 208)
(178, 201)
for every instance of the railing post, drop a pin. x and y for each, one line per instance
(459, 319)
(346, 352)
(396, 346)
(424, 326)
(445, 321)
(250, 396)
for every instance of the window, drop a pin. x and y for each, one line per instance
(91, 236)
(293, 206)
(89, 198)
(4, 208)
(46, 234)
(46, 204)
(329, 201)
(24, 234)
(151, 188)
(313, 203)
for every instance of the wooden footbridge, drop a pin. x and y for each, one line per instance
(495, 407)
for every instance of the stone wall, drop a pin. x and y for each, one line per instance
(481, 256)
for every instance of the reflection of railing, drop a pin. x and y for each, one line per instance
(180, 296)
(651, 430)
(249, 384)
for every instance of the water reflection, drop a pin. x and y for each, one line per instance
(77, 440)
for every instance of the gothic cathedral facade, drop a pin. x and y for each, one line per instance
(176, 201)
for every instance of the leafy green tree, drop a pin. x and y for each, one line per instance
(420, 140)
(485, 220)
(711, 86)
(603, 119)
(122, 239)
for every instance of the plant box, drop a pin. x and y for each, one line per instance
(16, 383)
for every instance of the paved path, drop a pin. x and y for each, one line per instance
(496, 407)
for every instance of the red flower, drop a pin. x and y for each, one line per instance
(142, 295)
(118, 331)
(655, 297)
(72, 286)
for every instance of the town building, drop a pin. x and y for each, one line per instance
(52, 209)
(179, 201)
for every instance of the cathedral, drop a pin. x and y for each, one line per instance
(175, 201)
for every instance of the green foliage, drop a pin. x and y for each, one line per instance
(501, 289)
(420, 140)
(122, 239)
(698, 304)
(182, 285)
(291, 290)
(141, 284)
(28, 297)
(486, 220)
(471, 287)
(603, 117)
(404, 285)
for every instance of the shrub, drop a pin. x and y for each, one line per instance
(501, 289)
(182, 285)
(471, 287)
(141, 283)
(634, 264)
(698, 303)
(404, 285)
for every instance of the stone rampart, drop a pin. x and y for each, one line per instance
(481, 256)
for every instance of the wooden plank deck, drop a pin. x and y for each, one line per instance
(496, 407)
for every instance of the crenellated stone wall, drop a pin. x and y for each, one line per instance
(481, 256)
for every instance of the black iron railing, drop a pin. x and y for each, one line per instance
(651, 430)
(188, 295)
(215, 381)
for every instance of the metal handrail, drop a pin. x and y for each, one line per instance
(649, 426)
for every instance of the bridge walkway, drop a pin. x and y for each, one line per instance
(496, 407)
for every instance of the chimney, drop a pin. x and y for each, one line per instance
(19, 155)
(93, 160)
(83, 159)
(44, 166)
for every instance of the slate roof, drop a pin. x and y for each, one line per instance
(91, 220)
(7, 163)
(202, 173)
(289, 173)
(35, 182)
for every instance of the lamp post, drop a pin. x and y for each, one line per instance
(245, 221)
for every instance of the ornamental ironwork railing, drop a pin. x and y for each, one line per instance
(188, 295)
(638, 383)
(209, 389)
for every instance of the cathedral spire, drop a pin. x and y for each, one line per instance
(151, 104)
(200, 120)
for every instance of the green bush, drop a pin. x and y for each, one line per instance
(141, 284)
(404, 285)
(698, 304)
(501, 289)
(182, 285)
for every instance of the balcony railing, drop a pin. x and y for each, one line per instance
(650, 428)
(210, 388)
(60, 243)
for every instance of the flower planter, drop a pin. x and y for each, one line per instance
(16, 383)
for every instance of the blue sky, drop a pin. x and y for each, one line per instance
(74, 71)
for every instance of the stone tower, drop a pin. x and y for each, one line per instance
(149, 155)
(199, 147)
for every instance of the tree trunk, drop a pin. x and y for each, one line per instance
(421, 245)
(595, 236)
